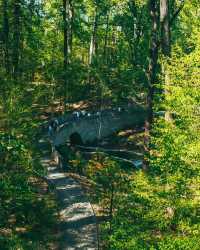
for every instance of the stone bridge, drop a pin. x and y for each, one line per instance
(82, 128)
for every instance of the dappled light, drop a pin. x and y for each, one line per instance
(99, 125)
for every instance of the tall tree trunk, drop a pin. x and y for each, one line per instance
(70, 26)
(65, 33)
(16, 38)
(31, 8)
(66, 49)
(6, 36)
(152, 71)
(153, 63)
(93, 42)
(106, 38)
(165, 45)
(68, 16)
(165, 29)
(132, 45)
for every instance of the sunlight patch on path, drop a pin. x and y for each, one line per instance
(77, 220)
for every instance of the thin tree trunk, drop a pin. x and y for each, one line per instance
(65, 31)
(93, 42)
(31, 7)
(16, 39)
(165, 45)
(165, 28)
(70, 27)
(153, 64)
(113, 46)
(133, 10)
(152, 72)
(6, 36)
(65, 50)
(68, 16)
(106, 39)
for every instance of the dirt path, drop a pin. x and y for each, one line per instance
(77, 220)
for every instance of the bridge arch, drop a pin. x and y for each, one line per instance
(75, 139)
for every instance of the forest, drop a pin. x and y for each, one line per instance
(105, 94)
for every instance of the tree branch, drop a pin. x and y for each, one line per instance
(176, 13)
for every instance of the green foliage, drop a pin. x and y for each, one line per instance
(161, 209)
(21, 206)
(109, 179)
(157, 209)
(26, 215)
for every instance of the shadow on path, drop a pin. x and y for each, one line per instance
(77, 220)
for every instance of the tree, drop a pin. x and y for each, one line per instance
(66, 45)
(93, 43)
(92, 55)
(16, 38)
(5, 31)
(152, 72)
(165, 27)
(109, 180)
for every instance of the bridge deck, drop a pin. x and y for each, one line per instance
(77, 220)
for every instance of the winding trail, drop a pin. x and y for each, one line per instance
(77, 220)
